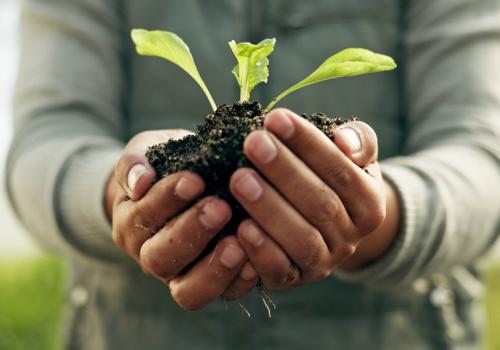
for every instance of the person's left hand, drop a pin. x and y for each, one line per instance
(313, 201)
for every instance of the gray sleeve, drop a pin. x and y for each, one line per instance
(67, 123)
(448, 178)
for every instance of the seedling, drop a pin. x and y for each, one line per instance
(252, 68)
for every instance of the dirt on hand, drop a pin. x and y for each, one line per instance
(216, 150)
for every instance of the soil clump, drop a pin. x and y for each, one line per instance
(215, 151)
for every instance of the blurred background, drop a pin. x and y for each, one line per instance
(20, 242)
(32, 281)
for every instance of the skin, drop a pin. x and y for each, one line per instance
(316, 206)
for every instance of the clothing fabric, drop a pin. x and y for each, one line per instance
(83, 92)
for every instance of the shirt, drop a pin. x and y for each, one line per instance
(83, 92)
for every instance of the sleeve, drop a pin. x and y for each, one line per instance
(448, 178)
(68, 123)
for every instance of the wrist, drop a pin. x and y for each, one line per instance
(377, 243)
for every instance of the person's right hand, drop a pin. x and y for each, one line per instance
(165, 226)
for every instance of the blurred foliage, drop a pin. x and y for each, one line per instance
(492, 301)
(32, 300)
(31, 303)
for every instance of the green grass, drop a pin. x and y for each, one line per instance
(31, 301)
(31, 304)
(492, 301)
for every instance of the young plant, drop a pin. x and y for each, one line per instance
(252, 68)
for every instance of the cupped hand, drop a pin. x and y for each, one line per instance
(312, 200)
(166, 226)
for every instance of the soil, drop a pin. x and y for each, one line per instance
(216, 150)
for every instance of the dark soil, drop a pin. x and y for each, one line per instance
(216, 150)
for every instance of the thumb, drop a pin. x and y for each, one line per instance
(358, 141)
(133, 172)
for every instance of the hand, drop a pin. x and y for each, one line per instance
(165, 227)
(316, 201)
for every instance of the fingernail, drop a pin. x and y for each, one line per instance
(187, 188)
(248, 272)
(213, 215)
(351, 139)
(249, 187)
(262, 147)
(252, 235)
(134, 175)
(231, 256)
(281, 125)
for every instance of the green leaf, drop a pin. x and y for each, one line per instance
(169, 46)
(346, 63)
(252, 64)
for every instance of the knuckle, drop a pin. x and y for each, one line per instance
(143, 219)
(312, 260)
(118, 238)
(310, 235)
(186, 302)
(152, 262)
(373, 216)
(325, 273)
(321, 273)
(341, 175)
(312, 254)
(344, 251)
(135, 212)
(326, 211)
(315, 265)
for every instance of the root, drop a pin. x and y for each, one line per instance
(266, 300)
(244, 310)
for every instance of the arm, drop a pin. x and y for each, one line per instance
(68, 138)
(67, 120)
(448, 178)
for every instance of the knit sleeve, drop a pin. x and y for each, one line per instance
(448, 179)
(68, 126)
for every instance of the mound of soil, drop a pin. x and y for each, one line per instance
(216, 150)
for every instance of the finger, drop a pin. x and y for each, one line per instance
(135, 222)
(179, 243)
(273, 266)
(299, 239)
(358, 141)
(133, 172)
(325, 159)
(210, 277)
(244, 283)
(316, 201)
